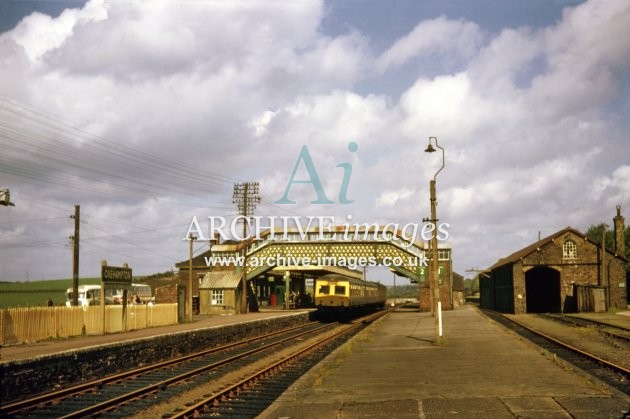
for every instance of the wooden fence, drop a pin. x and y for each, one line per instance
(32, 324)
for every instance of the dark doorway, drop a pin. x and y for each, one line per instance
(542, 290)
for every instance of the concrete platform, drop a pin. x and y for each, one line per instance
(394, 370)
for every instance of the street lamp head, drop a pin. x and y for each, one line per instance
(431, 149)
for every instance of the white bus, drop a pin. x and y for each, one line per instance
(89, 295)
(138, 294)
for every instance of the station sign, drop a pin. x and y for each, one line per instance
(117, 276)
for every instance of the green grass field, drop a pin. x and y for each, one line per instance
(37, 293)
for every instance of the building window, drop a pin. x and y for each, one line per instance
(569, 249)
(443, 254)
(217, 297)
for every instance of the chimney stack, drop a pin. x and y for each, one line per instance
(619, 227)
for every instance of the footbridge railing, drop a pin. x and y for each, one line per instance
(342, 246)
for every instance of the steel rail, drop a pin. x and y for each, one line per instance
(601, 361)
(47, 398)
(598, 322)
(216, 398)
(580, 321)
(116, 401)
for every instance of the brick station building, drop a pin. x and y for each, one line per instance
(445, 280)
(564, 272)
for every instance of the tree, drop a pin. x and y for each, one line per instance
(594, 233)
(472, 285)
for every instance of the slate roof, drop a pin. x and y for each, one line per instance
(525, 251)
(220, 280)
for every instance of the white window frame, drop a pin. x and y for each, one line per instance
(569, 249)
(217, 297)
(444, 254)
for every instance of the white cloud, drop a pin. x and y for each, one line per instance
(197, 95)
(261, 122)
(392, 198)
(39, 34)
(441, 36)
(583, 53)
(614, 188)
(445, 106)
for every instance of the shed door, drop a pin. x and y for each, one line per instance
(542, 290)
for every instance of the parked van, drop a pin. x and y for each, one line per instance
(89, 295)
(143, 292)
(138, 294)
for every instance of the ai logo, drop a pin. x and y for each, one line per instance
(313, 178)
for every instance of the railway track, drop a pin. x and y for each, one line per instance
(133, 392)
(254, 393)
(120, 389)
(606, 329)
(604, 370)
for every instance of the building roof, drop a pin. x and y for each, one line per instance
(220, 280)
(520, 254)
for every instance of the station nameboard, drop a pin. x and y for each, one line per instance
(116, 275)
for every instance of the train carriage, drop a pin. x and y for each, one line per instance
(338, 293)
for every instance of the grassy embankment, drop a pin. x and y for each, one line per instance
(37, 293)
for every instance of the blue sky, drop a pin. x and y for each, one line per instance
(146, 113)
(385, 21)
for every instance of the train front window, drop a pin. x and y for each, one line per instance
(324, 289)
(340, 290)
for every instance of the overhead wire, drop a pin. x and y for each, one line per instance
(36, 145)
(127, 256)
(32, 220)
(32, 153)
(110, 146)
(102, 181)
(82, 160)
(118, 237)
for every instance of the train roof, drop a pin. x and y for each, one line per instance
(336, 277)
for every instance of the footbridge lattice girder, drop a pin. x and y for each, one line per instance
(341, 254)
(335, 246)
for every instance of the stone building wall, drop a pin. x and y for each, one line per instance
(583, 269)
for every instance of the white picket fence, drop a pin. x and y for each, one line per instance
(32, 324)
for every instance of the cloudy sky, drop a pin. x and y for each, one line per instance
(146, 113)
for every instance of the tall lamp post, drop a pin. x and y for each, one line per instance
(434, 281)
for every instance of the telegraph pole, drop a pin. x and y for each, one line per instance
(189, 303)
(245, 197)
(5, 198)
(75, 256)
